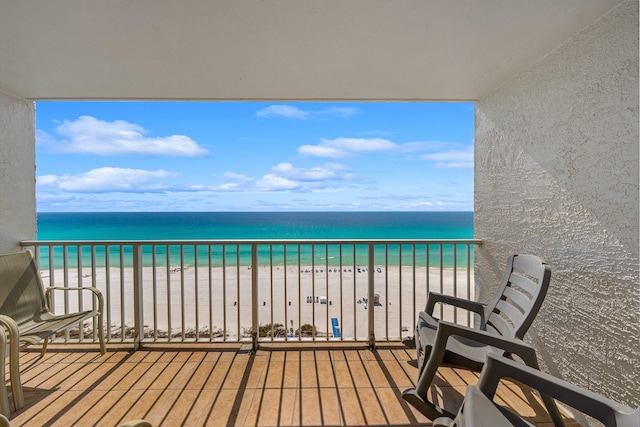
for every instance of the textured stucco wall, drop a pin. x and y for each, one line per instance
(17, 172)
(557, 175)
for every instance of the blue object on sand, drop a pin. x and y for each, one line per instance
(336, 327)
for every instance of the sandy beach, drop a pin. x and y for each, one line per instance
(216, 299)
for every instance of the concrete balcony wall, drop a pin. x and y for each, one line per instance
(557, 175)
(17, 172)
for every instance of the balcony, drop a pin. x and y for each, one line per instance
(556, 129)
(162, 300)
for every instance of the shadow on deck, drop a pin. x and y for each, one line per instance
(221, 385)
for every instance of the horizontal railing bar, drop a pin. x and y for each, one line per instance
(248, 242)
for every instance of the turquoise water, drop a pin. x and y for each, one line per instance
(257, 226)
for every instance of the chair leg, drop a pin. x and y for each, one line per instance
(424, 406)
(417, 396)
(44, 347)
(14, 371)
(103, 348)
(409, 342)
(14, 361)
(549, 402)
(433, 357)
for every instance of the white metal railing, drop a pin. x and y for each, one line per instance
(265, 290)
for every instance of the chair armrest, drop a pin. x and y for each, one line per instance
(10, 325)
(96, 292)
(510, 345)
(447, 330)
(4, 400)
(433, 298)
(64, 288)
(13, 331)
(599, 407)
(14, 359)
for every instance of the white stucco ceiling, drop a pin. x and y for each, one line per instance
(278, 49)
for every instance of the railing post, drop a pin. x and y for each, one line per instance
(254, 297)
(371, 302)
(137, 297)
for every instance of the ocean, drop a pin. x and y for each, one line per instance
(257, 226)
(254, 225)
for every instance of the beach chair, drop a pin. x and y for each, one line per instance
(478, 408)
(25, 311)
(502, 325)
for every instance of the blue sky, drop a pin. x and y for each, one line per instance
(254, 156)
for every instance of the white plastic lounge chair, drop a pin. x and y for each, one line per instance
(503, 323)
(478, 408)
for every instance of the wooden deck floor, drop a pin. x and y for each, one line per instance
(221, 385)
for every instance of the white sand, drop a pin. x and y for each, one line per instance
(210, 305)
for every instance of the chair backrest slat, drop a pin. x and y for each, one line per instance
(510, 312)
(21, 291)
(524, 283)
(491, 329)
(519, 296)
(501, 325)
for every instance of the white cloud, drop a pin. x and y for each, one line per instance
(304, 174)
(455, 165)
(55, 198)
(343, 147)
(344, 112)
(229, 186)
(237, 176)
(273, 182)
(286, 177)
(291, 112)
(321, 151)
(411, 147)
(360, 144)
(462, 158)
(109, 179)
(447, 154)
(284, 111)
(47, 180)
(88, 135)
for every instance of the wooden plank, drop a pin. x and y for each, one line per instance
(212, 388)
